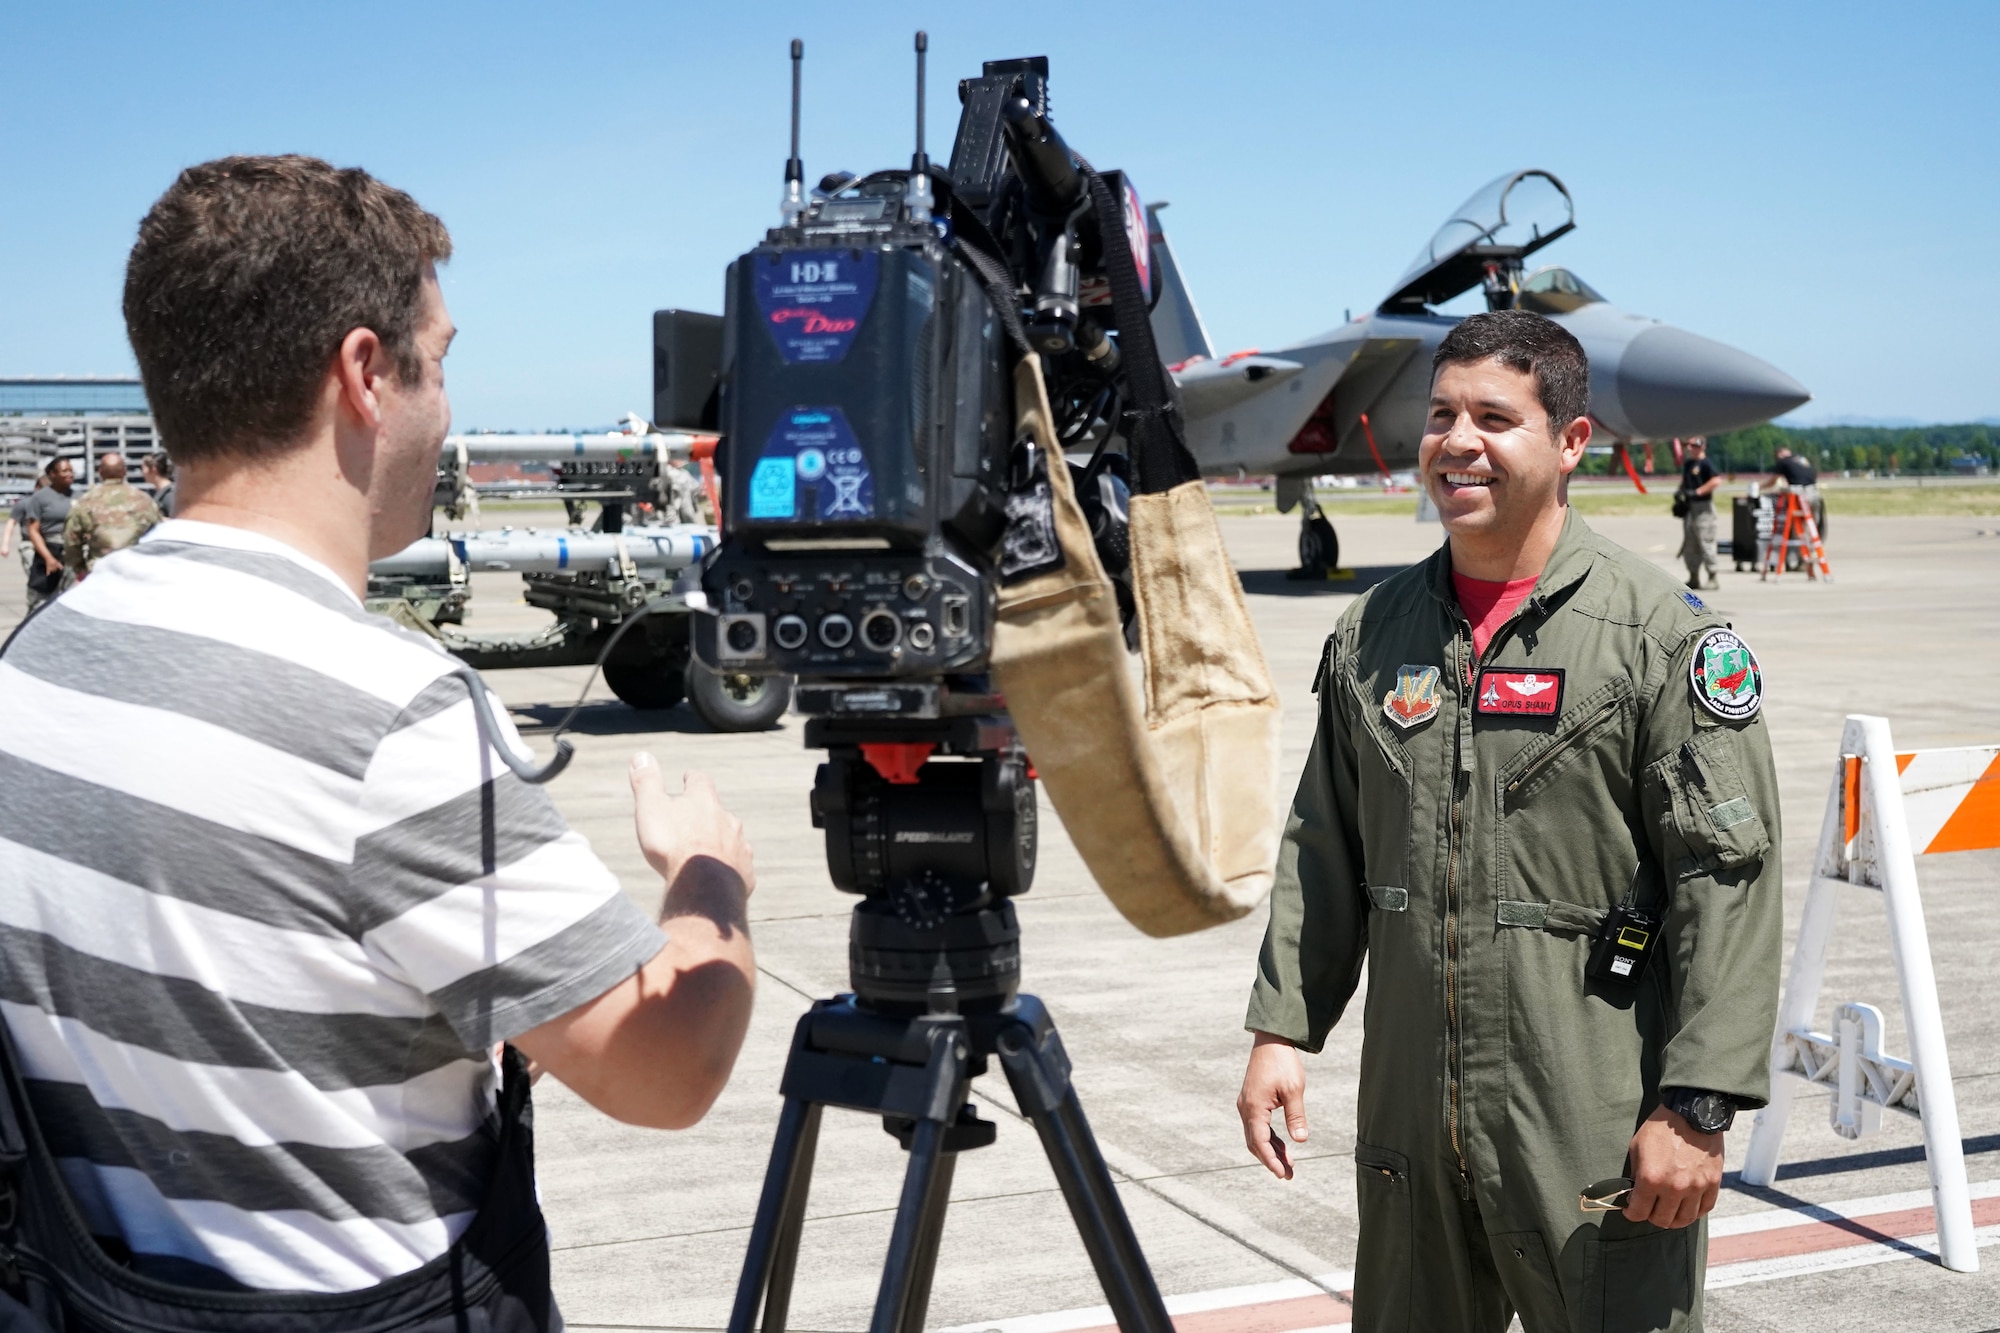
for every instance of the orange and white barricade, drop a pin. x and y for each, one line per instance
(1884, 810)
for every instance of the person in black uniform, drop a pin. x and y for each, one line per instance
(1798, 476)
(1699, 481)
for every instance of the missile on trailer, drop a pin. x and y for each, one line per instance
(611, 448)
(652, 551)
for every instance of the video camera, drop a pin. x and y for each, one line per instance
(866, 406)
(876, 497)
(878, 494)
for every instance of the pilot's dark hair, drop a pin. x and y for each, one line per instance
(248, 273)
(1522, 341)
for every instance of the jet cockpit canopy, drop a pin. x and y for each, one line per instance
(1555, 291)
(1484, 241)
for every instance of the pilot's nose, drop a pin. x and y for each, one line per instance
(1672, 382)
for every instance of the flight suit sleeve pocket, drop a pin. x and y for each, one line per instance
(1383, 1271)
(1701, 790)
(1389, 898)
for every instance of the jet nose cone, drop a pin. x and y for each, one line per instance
(1672, 382)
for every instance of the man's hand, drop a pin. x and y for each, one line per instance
(690, 839)
(1276, 1077)
(1676, 1171)
(657, 1048)
(50, 565)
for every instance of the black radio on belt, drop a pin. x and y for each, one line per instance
(1623, 947)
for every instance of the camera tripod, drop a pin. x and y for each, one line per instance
(935, 962)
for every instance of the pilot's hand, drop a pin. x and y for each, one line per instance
(1276, 1077)
(1676, 1171)
(689, 836)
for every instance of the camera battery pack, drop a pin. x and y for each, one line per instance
(1623, 947)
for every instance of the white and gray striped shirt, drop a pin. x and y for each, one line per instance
(266, 902)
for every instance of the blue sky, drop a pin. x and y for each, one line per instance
(1816, 183)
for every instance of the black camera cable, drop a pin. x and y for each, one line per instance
(489, 726)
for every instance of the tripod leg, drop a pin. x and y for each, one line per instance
(774, 1237)
(792, 1221)
(903, 1273)
(929, 1235)
(1038, 1071)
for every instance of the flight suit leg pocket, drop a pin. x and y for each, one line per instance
(1648, 1278)
(1530, 1279)
(1383, 1272)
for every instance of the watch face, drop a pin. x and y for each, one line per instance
(1708, 1112)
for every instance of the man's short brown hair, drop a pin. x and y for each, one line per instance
(1531, 344)
(248, 273)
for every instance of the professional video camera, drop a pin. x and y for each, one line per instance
(875, 495)
(876, 498)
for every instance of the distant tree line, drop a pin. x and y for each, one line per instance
(1912, 451)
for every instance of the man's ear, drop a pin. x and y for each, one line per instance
(1569, 444)
(358, 369)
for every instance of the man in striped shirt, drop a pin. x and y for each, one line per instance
(257, 1002)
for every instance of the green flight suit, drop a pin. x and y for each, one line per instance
(1471, 835)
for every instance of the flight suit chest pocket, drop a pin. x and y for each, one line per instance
(1700, 789)
(1383, 764)
(1591, 722)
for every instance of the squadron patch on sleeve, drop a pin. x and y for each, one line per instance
(1726, 678)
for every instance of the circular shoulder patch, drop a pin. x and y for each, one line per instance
(1725, 676)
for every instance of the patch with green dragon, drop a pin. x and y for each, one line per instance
(1726, 678)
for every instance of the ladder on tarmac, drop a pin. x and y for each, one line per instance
(1793, 526)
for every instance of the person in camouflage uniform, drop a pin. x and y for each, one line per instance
(680, 495)
(111, 516)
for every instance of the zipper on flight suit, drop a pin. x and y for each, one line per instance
(1460, 781)
(1567, 743)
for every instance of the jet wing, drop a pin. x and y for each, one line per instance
(1208, 387)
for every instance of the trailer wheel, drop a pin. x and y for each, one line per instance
(735, 701)
(648, 683)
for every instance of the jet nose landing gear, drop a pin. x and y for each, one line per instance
(1319, 546)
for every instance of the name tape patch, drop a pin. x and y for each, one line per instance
(1510, 693)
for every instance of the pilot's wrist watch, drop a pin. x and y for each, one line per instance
(1709, 1112)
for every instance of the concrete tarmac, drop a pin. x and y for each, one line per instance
(649, 1228)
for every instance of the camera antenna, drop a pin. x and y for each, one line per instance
(794, 204)
(917, 196)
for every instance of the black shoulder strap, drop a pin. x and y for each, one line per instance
(1160, 457)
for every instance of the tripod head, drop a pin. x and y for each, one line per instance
(933, 823)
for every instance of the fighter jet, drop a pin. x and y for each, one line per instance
(1354, 400)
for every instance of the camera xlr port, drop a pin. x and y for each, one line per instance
(880, 630)
(922, 636)
(836, 630)
(742, 635)
(789, 632)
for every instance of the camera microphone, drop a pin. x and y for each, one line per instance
(794, 205)
(917, 196)
(1047, 167)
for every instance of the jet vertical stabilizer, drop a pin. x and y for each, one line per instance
(1177, 326)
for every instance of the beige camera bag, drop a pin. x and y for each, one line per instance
(1173, 804)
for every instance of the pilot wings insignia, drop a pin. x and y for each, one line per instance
(1514, 693)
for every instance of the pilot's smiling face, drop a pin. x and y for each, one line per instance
(1489, 457)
